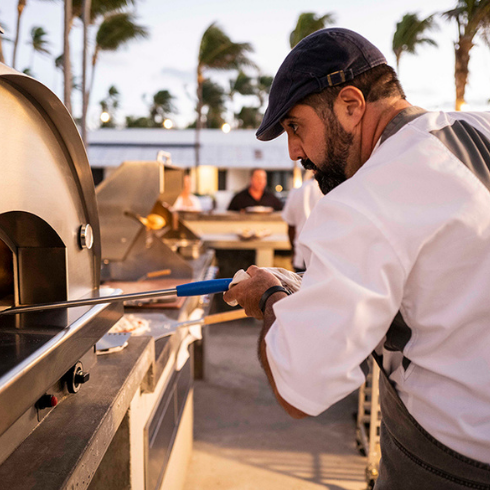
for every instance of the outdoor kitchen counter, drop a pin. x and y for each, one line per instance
(91, 440)
(65, 451)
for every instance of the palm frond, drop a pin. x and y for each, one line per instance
(99, 8)
(118, 29)
(242, 85)
(409, 34)
(38, 40)
(307, 24)
(217, 51)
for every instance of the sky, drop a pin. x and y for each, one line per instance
(168, 59)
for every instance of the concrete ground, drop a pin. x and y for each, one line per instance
(243, 440)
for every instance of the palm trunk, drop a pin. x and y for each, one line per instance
(20, 9)
(67, 80)
(2, 59)
(197, 145)
(462, 59)
(85, 95)
(92, 77)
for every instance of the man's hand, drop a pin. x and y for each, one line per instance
(249, 292)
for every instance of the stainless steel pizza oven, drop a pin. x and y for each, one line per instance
(49, 251)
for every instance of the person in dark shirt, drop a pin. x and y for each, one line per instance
(255, 194)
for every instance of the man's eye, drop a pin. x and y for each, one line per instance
(294, 127)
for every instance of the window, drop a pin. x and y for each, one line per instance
(222, 174)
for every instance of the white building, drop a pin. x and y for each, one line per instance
(226, 159)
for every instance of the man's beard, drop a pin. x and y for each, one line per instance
(331, 171)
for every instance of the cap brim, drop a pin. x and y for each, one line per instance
(271, 133)
(271, 126)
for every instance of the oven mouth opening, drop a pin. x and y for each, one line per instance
(32, 261)
(7, 294)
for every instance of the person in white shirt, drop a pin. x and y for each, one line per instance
(299, 204)
(186, 200)
(398, 262)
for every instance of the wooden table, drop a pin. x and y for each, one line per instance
(264, 247)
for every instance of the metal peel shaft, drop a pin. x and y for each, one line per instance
(89, 301)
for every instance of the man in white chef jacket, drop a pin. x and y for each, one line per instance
(398, 261)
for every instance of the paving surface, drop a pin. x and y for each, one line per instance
(245, 441)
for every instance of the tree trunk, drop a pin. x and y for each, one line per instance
(92, 76)
(67, 80)
(462, 59)
(85, 94)
(197, 145)
(20, 9)
(2, 59)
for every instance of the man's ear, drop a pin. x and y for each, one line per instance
(349, 107)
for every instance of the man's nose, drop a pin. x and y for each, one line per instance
(295, 148)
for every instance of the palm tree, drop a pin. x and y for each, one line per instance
(217, 52)
(242, 84)
(307, 24)
(20, 8)
(259, 86)
(409, 34)
(472, 18)
(161, 107)
(116, 30)
(38, 42)
(110, 105)
(264, 84)
(28, 71)
(213, 98)
(249, 118)
(89, 11)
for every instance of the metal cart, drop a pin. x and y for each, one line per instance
(368, 423)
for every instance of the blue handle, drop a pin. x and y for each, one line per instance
(203, 287)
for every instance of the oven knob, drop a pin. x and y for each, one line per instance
(86, 236)
(47, 401)
(81, 377)
(75, 377)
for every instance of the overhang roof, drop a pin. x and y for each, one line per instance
(237, 149)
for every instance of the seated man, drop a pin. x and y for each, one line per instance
(255, 194)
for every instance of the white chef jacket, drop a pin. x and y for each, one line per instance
(180, 206)
(410, 231)
(298, 207)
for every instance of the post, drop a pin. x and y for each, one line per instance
(66, 56)
(86, 23)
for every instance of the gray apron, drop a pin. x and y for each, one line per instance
(411, 459)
